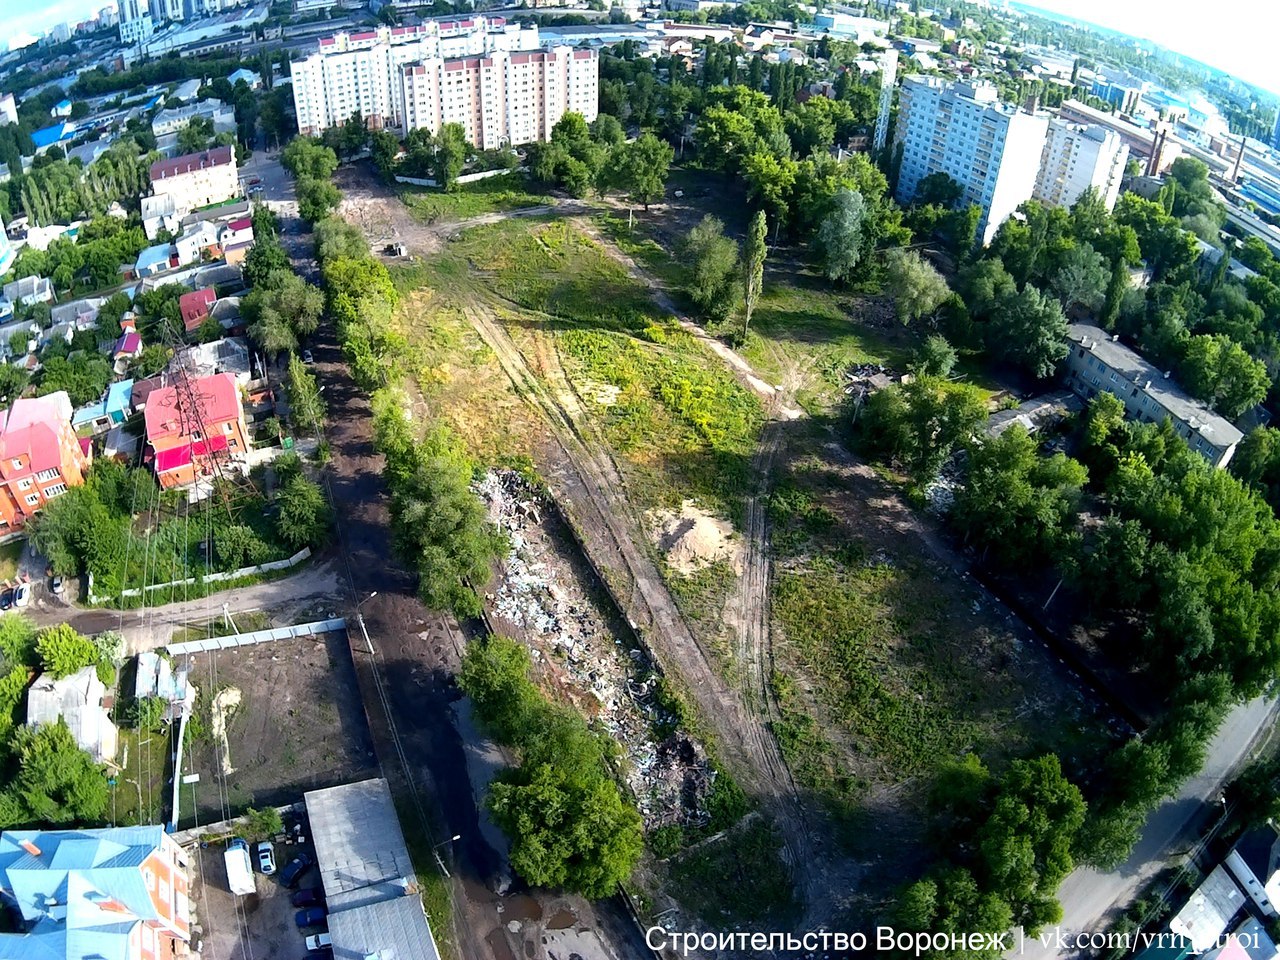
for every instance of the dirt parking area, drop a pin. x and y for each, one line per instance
(273, 721)
(257, 926)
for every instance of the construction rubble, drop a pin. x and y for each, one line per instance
(544, 601)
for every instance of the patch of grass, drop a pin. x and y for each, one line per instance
(10, 553)
(437, 899)
(644, 250)
(810, 754)
(508, 192)
(141, 792)
(737, 879)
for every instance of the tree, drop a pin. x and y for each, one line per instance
(450, 155)
(1017, 504)
(1029, 330)
(304, 515)
(713, 267)
(262, 824)
(384, 148)
(57, 782)
(916, 288)
(306, 158)
(306, 405)
(639, 169)
(316, 199)
(770, 181)
(195, 136)
(753, 268)
(935, 357)
(839, 238)
(19, 343)
(1219, 371)
(272, 333)
(1080, 278)
(938, 189)
(63, 651)
(919, 424)
(986, 285)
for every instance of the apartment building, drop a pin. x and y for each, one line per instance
(1078, 157)
(961, 129)
(137, 31)
(8, 109)
(504, 98)
(40, 457)
(371, 72)
(1097, 361)
(188, 432)
(121, 892)
(1149, 145)
(196, 179)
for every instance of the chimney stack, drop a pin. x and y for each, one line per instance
(30, 847)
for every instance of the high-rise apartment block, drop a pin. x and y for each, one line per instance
(961, 129)
(1079, 157)
(481, 72)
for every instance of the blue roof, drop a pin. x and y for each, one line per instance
(118, 395)
(64, 103)
(94, 411)
(48, 136)
(153, 255)
(153, 101)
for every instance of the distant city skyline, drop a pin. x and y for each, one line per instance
(1238, 36)
(19, 17)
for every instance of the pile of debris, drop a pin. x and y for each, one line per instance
(693, 539)
(546, 604)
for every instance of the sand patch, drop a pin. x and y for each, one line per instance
(694, 538)
(224, 704)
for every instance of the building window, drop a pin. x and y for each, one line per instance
(47, 474)
(33, 499)
(17, 463)
(56, 490)
(24, 484)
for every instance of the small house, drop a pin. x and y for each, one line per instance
(78, 701)
(29, 291)
(194, 307)
(160, 212)
(254, 80)
(111, 411)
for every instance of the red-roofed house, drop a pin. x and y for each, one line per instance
(195, 306)
(236, 240)
(197, 179)
(40, 456)
(184, 451)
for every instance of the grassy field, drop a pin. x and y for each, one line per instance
(141, 790)
(10, 553)
(736, 879)
(508, 192)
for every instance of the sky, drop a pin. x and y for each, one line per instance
(1238, 36)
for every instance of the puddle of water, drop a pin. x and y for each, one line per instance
(498, 944)
(521, 907)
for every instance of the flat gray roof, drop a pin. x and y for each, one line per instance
(369, 880)
(1214, 428)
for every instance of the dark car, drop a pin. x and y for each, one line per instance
(311, 917)
(309, 897)
(6, 600)
(294, 870)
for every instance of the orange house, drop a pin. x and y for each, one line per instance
(189, 428)
(121, 892)
(40, 457)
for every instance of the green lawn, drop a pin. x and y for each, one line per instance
(10, 553)
(508, 192)
(141, 793)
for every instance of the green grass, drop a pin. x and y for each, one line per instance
(141, 793)
(737, 879)
(811, 756)
(508, 192)
(10, 553)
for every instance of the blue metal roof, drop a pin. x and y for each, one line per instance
(94, 411)
(153, 255)
(118, 395)
(48, 136)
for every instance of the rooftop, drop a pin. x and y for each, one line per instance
(217, 157)
(1217, 430)
(1209, 910)
(217, 399)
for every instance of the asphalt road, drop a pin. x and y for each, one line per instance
(1089, 897)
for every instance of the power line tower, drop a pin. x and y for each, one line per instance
(191, 408)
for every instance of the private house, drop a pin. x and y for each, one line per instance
(160, 212)
(77, 700)
(254, 80)
(1255, 863)
(229, 355)
(126, 349)
(120, 892)
(152, 261)
(1097, 361)
(29, 291)
(196, 179)
(198, 241)
(111, 411)
(236, 240)
(1209, 911)
(191, 425)
(194, 307)
(40, 457)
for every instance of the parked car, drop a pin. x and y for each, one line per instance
(294, 870)
(22, 595)
(319, 941)
(6, 600)
(307, 357)
(311, 917)
(57, 585)
(309, 897)
(266, 858)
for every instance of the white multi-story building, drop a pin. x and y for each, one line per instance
(136, 31)
(1079, 157)
(108, 17)
(197, 179)
(170, 10)
(504, 98)
(961, 129)
(366, 72)
(8, 109)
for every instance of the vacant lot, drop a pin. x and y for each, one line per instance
(508, 192)
(293, 722)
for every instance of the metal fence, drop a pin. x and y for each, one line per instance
(257, 636)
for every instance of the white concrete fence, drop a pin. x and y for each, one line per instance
(285, 564)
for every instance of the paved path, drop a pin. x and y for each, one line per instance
(1089, 897)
